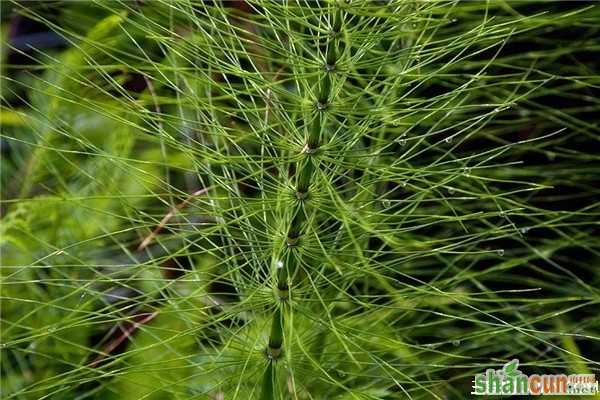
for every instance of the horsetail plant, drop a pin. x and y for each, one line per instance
(331, 199)
(305, 168)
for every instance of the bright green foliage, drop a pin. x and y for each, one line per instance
(304, 200)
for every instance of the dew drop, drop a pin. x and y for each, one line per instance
(386, 203)
(500, 252)
(451, 190)
(402, 139)
(403, 184)
(524, 230)
(341, 374)
(467, 171)
(456, 343)
(448, 139)
(454, 20)
(279, 264)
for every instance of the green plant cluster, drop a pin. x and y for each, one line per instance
(298, 199)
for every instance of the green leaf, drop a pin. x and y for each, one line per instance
(510, 368)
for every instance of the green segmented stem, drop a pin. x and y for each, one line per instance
(268, 386)
(305, 168)
(276, 337)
